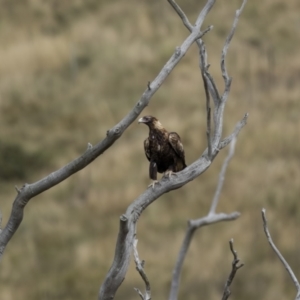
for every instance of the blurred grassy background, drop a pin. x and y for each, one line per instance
(69, 70)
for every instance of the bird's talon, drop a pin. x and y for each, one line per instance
(153, 184)
(169, 174)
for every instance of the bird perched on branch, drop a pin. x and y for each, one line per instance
(163, 149)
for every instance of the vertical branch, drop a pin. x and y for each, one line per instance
(218, 114)
(226, 78)
(140, 268)
(0, 222)
(222, 177)
(178, 267)
(235, 267)
(204, 67)
(219, 102)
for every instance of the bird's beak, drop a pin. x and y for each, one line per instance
(141, 120)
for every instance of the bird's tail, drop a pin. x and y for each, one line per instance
(153, 170)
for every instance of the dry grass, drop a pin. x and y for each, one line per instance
(68, 72)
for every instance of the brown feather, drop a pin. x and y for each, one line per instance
(164, 150)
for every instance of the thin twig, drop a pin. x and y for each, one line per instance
(284, 262)
(235, 267)
(235, 132)
(227, 80)
(139, 292)
(199, 42)
(222, 177)
(213, 88)
(182, 15)
(204, 67)
(208, 126)
(140, 268)
(0, 222)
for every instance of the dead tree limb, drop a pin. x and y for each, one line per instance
(128, 220)
(119, 267)
(235, 267)
(280, 256)
(213, 142)
(220, 101)
(0, 222)
(211, 218)
(140, 268)
(28, 191)
(222, 177)
(204, 72)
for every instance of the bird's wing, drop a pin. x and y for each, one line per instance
(147, 149)
(175, 142)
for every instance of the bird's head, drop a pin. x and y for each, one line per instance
(152, 122)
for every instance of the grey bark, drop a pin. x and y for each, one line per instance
(140, 268)
(234, 269)
(28, 191)
(211, 218)
(128, 220)
(280, 256)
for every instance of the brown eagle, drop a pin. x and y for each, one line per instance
(163, 149)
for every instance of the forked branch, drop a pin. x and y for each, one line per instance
(209, 83)
(140, 268)
(211, 218)
(129, 219)
(124, 243)
(28, 191)
(235, 267)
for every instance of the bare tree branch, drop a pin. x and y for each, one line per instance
(208, 126)
(210, 218)
(28, 191)
(235, 132)
(129, 219)
(140, 268)
(203, 64)
(204, 67)
(219, 102)
(284, 262)
(193, 225)
(189, 26)
(226, 78)
(0, 222)
(182, 15)
(118, 269)
(235, 267)
(222, 177)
